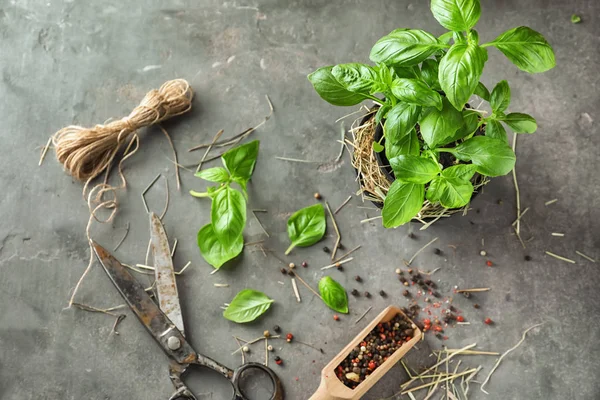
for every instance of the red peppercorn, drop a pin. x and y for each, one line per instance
(427, 321)
(336, 317)
(488, 321)
(460, 318)
(438, 328)
(372, 366)
(304, 264)
(278, 361)
(489, 263)
(289, 337)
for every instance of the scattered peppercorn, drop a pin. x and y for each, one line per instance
(283, 271)
(410, 271)
(483, 253)
(246, 349)
(467, 294)
(339, 266)
(411, 235)
(406, 293)
(489, 263)
(341, 246)
(292, 265)
(276, 328)
(439, 336)
(267, 334)
(427, 299)
(460, 318)
(335, 317)
(405, 283)
(318, 196)
(488, 321)
(367, 295)
(270, 348)
(398, 271)
(437, 251)
(382, 293)
(304, 264)
(436, 294)
(278, 360)
(475, 305)
(355, 292)
(326, 249)
(291, 273)
(289, 337)
(357, 278)
(527, 258)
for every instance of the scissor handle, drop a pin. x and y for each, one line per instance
(182, 392)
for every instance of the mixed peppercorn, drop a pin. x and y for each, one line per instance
(374, 350)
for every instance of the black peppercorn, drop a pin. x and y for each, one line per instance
(355, 292)
(357, 278)
(411, 235)
(435, 294)
(475, 305)
(367, 294)
(437, 251)
(527, 258)
(467, 294)
(439, 336)
(283, 271)
(382, 293)
(277, 329)
(341, 246)
(340, 267)
(406, 293)
(291, 273)
(326, 249)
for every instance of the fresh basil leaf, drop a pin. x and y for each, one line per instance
(402, 203)
(500, 98)
(456, 15)
(306, 226)
(463, 172)
(416, 92)
(331, 90)
(412, 72)
(240, 161)
(405, 47)
(247, 305)
(429, 72)
(526, 48)
(437, 125)
(446, 37)
(382, 112)
(492, 157)
(228, 215)
(377, 147)
(482, 91)
(216, 174)
(409, 144)
(434, 190)
(213, 251)
(495, 130)
(358, 78)
(401, 119)
(385, 74)
(520, 123)
(455, 193)
(333, 294)
(414, 169)
(460, 70)
(470, 125)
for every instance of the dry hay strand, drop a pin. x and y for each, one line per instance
(374, 185)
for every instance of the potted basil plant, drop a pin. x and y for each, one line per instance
(425, 148)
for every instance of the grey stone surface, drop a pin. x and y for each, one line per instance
(83, 62)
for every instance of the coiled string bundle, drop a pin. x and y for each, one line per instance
(86, 152)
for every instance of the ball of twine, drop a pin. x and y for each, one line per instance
(86, 152)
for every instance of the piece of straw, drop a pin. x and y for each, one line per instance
(586, 257)
(337, 264)
(560, 257)
(420, 250)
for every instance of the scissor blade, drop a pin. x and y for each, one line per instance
(166, 287)
(149, 314)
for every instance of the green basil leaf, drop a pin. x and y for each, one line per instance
(240, 161)
(213, 251)
(414, 169)
(405, 47)
(409, 144)
(331, 90)
(434, 190)
(526, 48)
(482, 91)
(247, 305)
(437, 125)
(455, 193)
(429, 72)
(520, 123)
(382, 112)
(500, 98)
(412, 72)
(470, 125)
(333, 294)
(216, 174)
(456, 15)
(306, 226)
(402, 203)
(385, 74)
(377, 147)
(228, 215)
(400, 120)
(495, 130)
(463, 172)
(446, 37)
(492, 157)
(358, 78)
(460, 70)
(416, 92)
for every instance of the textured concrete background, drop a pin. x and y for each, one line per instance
(83, 62)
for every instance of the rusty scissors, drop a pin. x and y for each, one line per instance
(165, 322)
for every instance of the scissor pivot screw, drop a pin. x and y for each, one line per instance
(173, 343)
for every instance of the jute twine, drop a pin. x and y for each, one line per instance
(87, 152)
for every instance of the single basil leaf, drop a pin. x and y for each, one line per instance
(409, 144)
(247, 305)
(412, 72)
(228, 215)
(492, 157)
(455, 193)
(382, 112)
(460, 70)
(470, 125)
(377, 147)
(446, 37)
(416, 92)
(402, 203)
(414, 169)
(434, 190)
(240, 161)
(385, 74)
(500, 98)
(331, 90)
(456, 15)
(463, 172)
(333, 294)
(405, 47)
(216, 174)
(437, 125)
(401, 119)
(495, 130)
(358, 78)
(482, 91)
(213, 251)
(306, 226)
(526, 48)
(429, 72)
(520, 123)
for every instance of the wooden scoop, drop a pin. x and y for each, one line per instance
(331, 388)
